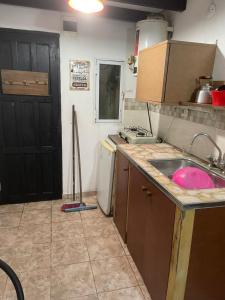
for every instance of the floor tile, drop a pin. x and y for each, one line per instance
(36, 217)
(126, 250)
(38, 234)
(93, 213)
(68, 282)
(10, 219)
(6, 257)
(90, 297)
(57, 202)
(50, 252)
(3, 278)
(112, 273)
(8, 236)
(12, 208)
(69, 252)
(100, 247)
(98, 227)
(36, 285)
(145, 292)
(133, 293)
(38, 259)
(121, 240)
(90, 200)
(17, 249)
(59, 216)
(67, 230)
(135, 270)
(38, 205)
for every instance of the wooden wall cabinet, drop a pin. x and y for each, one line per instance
(167, 72)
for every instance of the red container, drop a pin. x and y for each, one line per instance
(218, 98)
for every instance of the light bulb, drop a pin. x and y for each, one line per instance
(87, 6)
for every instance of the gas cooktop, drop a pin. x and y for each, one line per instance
(137, 135)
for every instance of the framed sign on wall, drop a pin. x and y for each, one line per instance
(80, 75)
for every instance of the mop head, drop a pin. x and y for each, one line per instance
(74, 207)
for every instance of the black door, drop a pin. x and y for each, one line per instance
(30, 126)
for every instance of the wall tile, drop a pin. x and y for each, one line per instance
(213, 117)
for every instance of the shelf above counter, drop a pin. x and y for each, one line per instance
(198, 105)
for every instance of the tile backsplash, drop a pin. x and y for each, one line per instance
(209, 116)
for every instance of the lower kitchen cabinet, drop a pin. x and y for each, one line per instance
(139, 202)
(150, 232)
(179, 253)
(206, 270)
(158, 242)
(121, 195)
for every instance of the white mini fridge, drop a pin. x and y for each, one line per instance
(105, 176)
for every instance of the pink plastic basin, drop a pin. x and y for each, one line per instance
(192, 178)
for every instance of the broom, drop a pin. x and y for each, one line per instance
(74, 207)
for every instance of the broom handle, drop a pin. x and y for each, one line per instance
(73, 150)
(78, 155)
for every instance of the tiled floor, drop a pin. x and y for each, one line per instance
(66, 256)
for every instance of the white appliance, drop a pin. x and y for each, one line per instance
(137, 135)
(105, 175)
(151, 31)
(106, 162)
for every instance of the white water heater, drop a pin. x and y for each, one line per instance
(151, 31)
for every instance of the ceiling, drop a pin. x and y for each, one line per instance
(128, 10)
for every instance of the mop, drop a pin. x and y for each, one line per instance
(74, 207)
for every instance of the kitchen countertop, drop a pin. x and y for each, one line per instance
(185, 199)
(116, 139)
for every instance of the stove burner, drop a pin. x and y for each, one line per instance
(140, 131)
(133, 129)
(140, 134)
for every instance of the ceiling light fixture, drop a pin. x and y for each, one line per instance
(87, 6)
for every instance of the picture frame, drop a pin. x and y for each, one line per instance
(80, 75)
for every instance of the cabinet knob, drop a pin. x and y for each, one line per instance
(126, 169)
(149, 194)
(144, 189)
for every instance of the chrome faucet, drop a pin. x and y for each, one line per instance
(220, 161)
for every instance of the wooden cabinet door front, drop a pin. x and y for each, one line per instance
(150, 226)
(158, 243)
(151, 77)
(187, 62)
(137, 215)
(122, 177)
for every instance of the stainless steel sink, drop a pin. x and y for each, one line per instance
(169, 166)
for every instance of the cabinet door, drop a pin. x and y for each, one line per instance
(150, 226)
(206, 271)
(187, 62)
(151, 73)
(158, 243)
(137, 216)
(120, 211)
